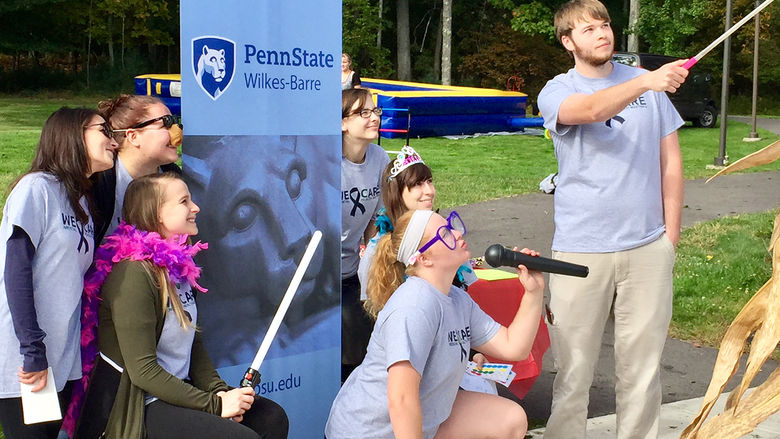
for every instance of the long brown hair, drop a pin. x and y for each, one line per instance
(386, 273)
(393, 190)
(62, 152)
(141, 208)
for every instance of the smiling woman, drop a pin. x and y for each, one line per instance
(362, 163)
(424, 329)
(151, 354)
(48, 218)
(149, 137)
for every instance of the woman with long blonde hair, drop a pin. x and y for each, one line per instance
(407, 385)
(154, 377)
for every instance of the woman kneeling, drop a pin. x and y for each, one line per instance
(149, 341)
(407, 386)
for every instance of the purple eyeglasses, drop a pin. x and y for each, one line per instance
(444, 234)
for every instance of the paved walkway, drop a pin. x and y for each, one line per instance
(675, 417)
(526, 221)
(765, 123)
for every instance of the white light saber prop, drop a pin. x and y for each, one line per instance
(252, 376)
(691, 62)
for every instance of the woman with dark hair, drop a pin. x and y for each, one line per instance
(362, 163)
(47, 242)
(148, 136)
(407, 184)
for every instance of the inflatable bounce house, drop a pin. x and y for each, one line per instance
(428, 110)
(411, 109)
(167, 87)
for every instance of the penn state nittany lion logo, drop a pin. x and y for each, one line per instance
(213, 63)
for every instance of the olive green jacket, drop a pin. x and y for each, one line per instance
(131, 321)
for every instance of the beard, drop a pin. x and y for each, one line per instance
(588, 57)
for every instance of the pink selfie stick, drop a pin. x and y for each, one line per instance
(691, 62)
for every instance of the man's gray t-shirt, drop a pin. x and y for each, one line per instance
(432, 331)
(361, 199)
(63, 252)
(608, 196)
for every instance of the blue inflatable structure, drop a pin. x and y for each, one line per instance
(425, 110)
(167, 87)
(440, 110)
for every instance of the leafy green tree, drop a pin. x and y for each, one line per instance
(668, 26)
(507, 53)
(535, 18)
(361, 24)
(683, 27)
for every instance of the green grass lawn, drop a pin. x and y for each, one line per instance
(709, 291)
(465, 171)
(483, 168)
(21, 120)
(720, 265)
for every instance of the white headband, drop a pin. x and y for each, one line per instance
(412, 236)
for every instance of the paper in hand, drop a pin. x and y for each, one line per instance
(43, 405)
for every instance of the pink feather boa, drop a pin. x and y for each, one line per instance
(127, 242)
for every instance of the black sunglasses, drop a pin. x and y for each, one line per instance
(105, 128)
(168, 120)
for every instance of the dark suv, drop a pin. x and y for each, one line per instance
(693, 100)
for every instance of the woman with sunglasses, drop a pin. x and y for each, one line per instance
(407, 386)
(47, 241)
(149, 137)
(362, 163)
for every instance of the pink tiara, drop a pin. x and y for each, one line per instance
(407, 157)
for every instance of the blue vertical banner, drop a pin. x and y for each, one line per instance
(262, 153)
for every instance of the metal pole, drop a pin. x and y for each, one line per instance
(722, 159)
(754, 133)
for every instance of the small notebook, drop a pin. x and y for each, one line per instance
(43, 405)
(494, 274)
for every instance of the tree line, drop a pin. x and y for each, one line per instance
(89, 44)
(495, 41)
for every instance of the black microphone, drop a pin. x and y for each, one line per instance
(497, 255)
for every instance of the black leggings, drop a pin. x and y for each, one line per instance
(356, 326)
(266, 419)
(12, 419)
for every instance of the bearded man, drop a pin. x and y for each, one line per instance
(618, 203)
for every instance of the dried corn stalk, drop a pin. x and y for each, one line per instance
(761, 315)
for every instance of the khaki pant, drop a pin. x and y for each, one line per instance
(638, 284)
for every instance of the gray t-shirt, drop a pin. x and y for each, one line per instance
(63, 252)
(123, 180)
(365, 265)
(174, 349)
(608, 196)
(432, 331)
(361, 199)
